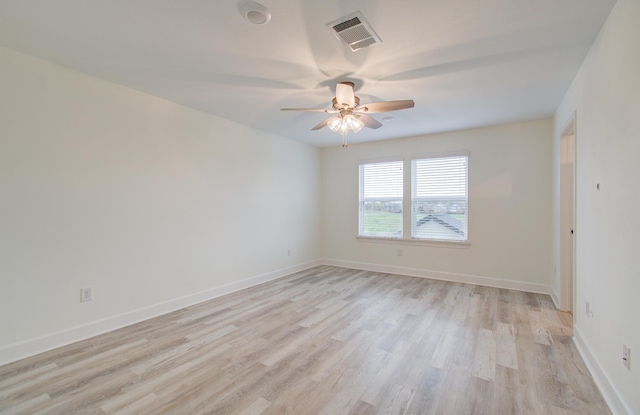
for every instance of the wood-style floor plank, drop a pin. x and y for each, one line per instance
(326, 340)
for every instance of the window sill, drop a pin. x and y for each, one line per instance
(416, 242)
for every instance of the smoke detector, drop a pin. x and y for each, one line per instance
(354, 31)
(254, 12)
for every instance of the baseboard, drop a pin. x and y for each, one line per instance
(616, 402)
(445, 276)
(61, 338)
(554, 297)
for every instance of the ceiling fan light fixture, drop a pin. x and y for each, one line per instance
(255, 13)
(344, 123)
(334, 124)
(352, 123)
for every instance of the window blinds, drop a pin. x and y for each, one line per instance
(381, 190)
(439, 198)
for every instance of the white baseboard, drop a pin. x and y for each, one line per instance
(50, 341)
(445, 276)
(554, 298)
(616, 402)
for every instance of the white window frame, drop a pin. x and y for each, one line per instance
(406, 238)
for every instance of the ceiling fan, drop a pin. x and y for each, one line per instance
(350, 114)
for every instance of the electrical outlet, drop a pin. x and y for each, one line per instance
(399, 252)
(289, 252)
(626, 356)
(86, 294)
(588, 309)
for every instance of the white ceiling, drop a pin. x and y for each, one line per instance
(465, 63)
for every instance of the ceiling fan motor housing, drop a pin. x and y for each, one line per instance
(341, 106)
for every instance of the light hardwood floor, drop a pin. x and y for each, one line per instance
(324, 341)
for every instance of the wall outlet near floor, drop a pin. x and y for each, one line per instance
(399, 252)
(289, 252)
(86, 294)
(626, 356)
(587, 309)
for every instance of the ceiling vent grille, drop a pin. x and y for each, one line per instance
(354, 31)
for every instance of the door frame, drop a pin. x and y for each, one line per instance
(568, 280)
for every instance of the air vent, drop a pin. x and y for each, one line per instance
(355, 31)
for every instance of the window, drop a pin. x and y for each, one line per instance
(381, 191)
(439, 198)
(437, 210)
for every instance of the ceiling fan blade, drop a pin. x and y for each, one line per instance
(344, 94)
(323, 123)
(369, 122)
(327, 110)
(385, 106)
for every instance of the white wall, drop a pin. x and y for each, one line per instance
(509, 208)
(606, 98)
(143, 200)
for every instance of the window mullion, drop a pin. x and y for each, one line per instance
(406, 202)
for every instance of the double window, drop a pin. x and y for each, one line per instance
(438, 208)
